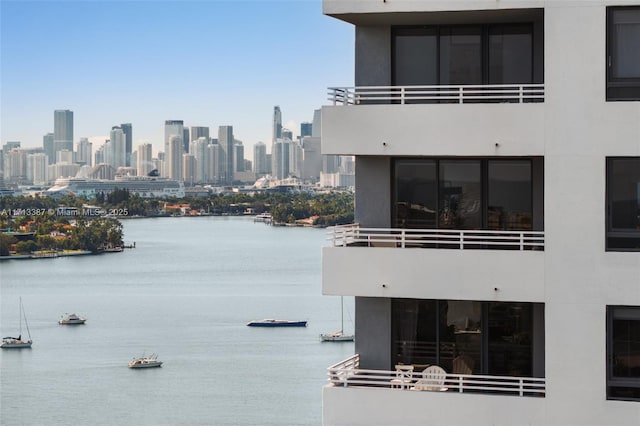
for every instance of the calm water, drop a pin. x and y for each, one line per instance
(185, 292)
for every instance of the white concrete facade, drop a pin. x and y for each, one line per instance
(575, 129)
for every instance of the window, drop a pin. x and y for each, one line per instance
(623, 60)
(463, 194)
(464, 54)
(493, 337)
(623, 204)
(623, 352)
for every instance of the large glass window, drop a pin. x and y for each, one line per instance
(623, 203)
(416, 193)
(464, 337)
(509, 195)
(460, 195)
(463, 194)
(623, 352)
(623, 60)
(463, 54)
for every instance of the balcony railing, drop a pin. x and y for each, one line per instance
(469, 93)
(348, 373)
(354, 235)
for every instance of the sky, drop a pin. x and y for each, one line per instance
(207, 62)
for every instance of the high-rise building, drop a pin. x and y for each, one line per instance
(49, 147)
(173, 162)
(145, 159)
(200, 152)
(494, 257)
(280, 158)
(186, 139)
(199, 132)
(260, 165)
(238, 155)
(306, 129)
(118, 147)
(127, 129)
(189, 169)
(37, 168)
(62, 131)
(213, 156)
(84, 152)
(225, 141)
(287, 134)
(172, 128)
(15, 165)
(312, 158)
(277, 124)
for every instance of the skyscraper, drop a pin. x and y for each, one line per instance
(199, 132)
(128, 140)
(62, 131)
(174, 158)
(260, 165)
(238, 153)
(185, 139)
(172, 128)
(225, 140)
(83, 151)
(277, 124)
(118, 147)
(49, 148)
(145, 164)
(305, 129)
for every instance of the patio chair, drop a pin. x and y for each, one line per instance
(403, 378)
(433, 378)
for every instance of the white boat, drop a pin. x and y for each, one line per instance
(145, 362)
(17, 342)
(338, 336)
(71, 319)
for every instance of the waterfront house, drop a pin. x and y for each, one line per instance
(497, 210)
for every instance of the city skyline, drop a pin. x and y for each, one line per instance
(122, 65)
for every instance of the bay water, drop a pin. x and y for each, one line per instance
(185, 292)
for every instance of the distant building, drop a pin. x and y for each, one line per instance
(145, 159)
(225, 141)
(172, 128)
(238, 154)
(62, 131)
(312, 158)
(49, 148)
(198, 132)
(118, 147)
(277, 124)
(84, 152)
(37, 168)
(174, 157)
(260, 164)
(127, 129)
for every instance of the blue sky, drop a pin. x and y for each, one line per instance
(206, 62)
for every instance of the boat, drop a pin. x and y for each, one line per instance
(276, 323)
(338, 336)
(145, 362)
(71, 319)
(17, 342)
(263, 217)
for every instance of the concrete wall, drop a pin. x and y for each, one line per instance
(373, 342)
(373, 192)
(373, 56)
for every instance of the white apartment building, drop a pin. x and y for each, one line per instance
(497, 235)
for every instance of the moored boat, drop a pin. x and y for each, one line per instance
(17, 342)
(71, 319)
(276, 323)
(145, 362)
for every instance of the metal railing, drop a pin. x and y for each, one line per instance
(468, 93)
(354, 235)
(348, 374)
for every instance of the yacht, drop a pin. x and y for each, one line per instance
(71, 319)
(145, 362)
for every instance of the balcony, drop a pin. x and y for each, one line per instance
(477, 93)
(443, 120)
(347, 373)
(393, 398)
(434, 263)
(354, 235)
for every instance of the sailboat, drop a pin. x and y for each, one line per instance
(17, 342)
(338, 336)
